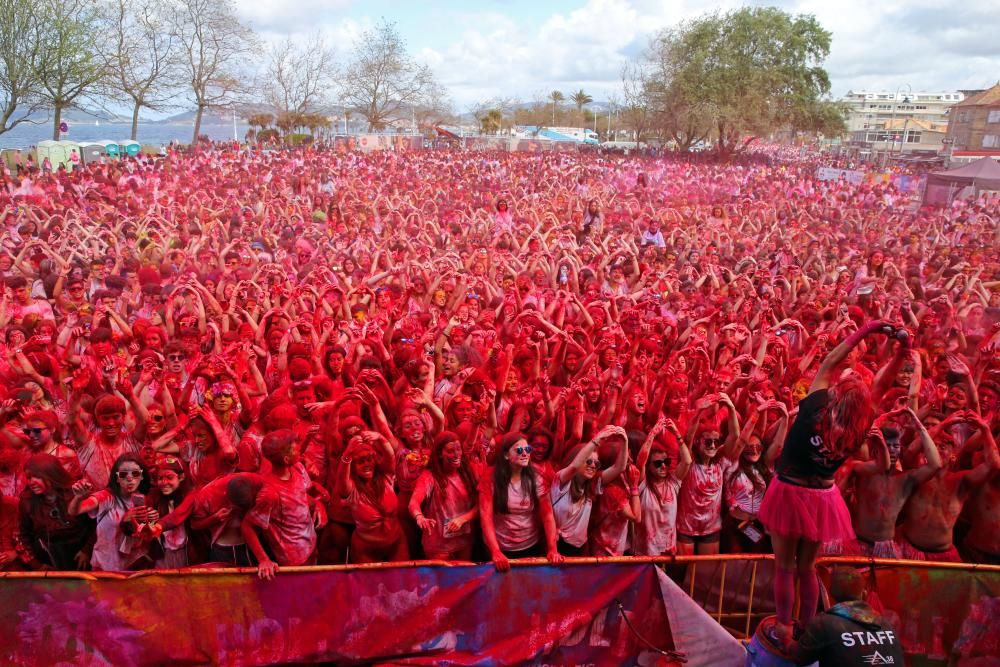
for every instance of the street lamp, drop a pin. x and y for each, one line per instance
(902, 139)
(895, 105)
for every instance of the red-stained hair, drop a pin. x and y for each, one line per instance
(847, 417)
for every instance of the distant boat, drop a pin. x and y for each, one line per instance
(97, 123)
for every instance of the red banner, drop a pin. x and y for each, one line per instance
(539, 615)
(943, 615)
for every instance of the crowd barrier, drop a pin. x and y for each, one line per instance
(629, 611)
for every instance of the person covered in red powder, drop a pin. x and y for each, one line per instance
(514, 507)
(803, 507)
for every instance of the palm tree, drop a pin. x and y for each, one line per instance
(581, 99)
(556, 96)
(492, 122)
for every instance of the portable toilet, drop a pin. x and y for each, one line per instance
(14, 158)
(129, 147)
(93, 151)
(58, 153)
(113, 148)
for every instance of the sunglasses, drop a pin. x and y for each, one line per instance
(32, 431)
(156, 418)
(175, 357)
(660, 463)
(523, 449)
(592, 463)
(710, 442)
(129, 474)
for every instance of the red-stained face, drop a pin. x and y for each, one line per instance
(412, 429)
(110, 422)
(451, 455)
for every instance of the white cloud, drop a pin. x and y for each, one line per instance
(483, 53)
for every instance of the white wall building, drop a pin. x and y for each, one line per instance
(882, 122)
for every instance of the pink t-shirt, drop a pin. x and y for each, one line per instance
(443, 505)
(740, 492)
(376, 522)
(282, 510)
(520, 527)
(610, 530)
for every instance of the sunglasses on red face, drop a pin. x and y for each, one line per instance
(660, 463)
(523, 449)
(128, 474)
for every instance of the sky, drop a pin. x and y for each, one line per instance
(525, 48)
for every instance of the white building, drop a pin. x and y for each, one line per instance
(874, 110)
(900, 121)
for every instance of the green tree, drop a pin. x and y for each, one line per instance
(19, 86)
(750, 70)
(581, 99)
(68, 67)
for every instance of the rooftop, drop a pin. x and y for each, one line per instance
(990, 97)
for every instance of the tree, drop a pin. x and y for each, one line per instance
(556, 97)
(636, 110)
(298, 76)
(824, 117)
(261, 120)
(212, 42)
(381, 79)
(749, 71)
(19, 86)
(68, 67)
(581, 99)
(141, 55)
(434, 106)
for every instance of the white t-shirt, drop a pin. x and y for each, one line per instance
(700, 506)
(572, 518)
(113, 549)
(657, 533)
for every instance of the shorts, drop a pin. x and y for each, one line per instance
(861, 547)
(537, 550)
(238, 555)
(568, 550)
(911, 552)
(974, 555)
(711, 538)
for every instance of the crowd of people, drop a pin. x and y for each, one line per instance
(284, 358)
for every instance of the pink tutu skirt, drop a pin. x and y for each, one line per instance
(819, 515)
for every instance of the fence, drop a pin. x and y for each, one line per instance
(587, 610)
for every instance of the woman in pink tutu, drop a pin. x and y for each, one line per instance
(802, 507)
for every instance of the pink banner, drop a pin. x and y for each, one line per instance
(540, 615)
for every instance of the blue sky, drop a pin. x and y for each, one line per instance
(523, 49)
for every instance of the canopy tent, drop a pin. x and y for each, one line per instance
(971, 179)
